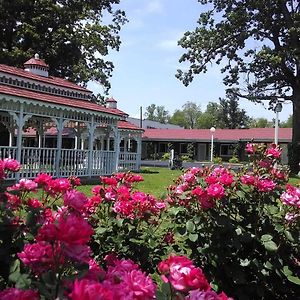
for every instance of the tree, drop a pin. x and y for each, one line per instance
(230, 115)
(157, 113)
(210, 117)
(288, 123)
(191, 111)
(259, 41)
(261, 123)
(178, 118)
(70, 36)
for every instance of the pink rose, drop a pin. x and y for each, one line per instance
(265, 185)
(274, 151)
(74, 230)
(89, 290)
(39, 256)
(249, 148)
(11, 165)
(75, 199)
(215, 190)
(17, 294)
(138, 286)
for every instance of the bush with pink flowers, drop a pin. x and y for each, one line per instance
(217, 230)
(243, 226)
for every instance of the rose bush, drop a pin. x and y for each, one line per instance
(50, 246)
(240, 228)
(244, 226)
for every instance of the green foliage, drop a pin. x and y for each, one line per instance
(165, 156)
(217, 160)
(157, 113)
(234, 160)
(71, 36)
(230, 115)
(243, 240)
(186, 158)
(226, 33)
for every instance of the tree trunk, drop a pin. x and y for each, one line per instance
(294, 153)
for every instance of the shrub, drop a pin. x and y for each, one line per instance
(234, 160)
(217, 160)
(186, 158)
(244, 226)
(76, 251)
(166, 156)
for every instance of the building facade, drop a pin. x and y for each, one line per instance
(52, 125)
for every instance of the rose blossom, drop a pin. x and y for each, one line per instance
(39, 256)
(273, 151)
(85, 289)
(75, 199)
(248, 179)
(24, 185)
(137, 285)
(215, 190)
(74, 230)
(17, 294)
(265, 185)
(11, 165)
(182, 274)
(249, 148)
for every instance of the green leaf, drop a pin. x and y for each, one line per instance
(238, 231)
(286, 271)
(190, 226)
(294, 279)
(289, 236)
(245, 262)
(266, 238)
(270, 246)
(193, 237)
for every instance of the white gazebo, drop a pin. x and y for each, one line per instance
(51, 125)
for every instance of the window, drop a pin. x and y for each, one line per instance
(227, 149)
(183, 148)
(163, 147)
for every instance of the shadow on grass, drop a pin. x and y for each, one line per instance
(145, 171)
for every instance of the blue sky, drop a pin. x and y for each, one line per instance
(146, 64)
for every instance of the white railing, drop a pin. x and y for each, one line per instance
(103, 162)
(129, 161)
(72, 162)
(37, 160)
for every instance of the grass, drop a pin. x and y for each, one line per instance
(156, 181)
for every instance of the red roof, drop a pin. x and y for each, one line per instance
(36, 62)
(232, 135)
(13, 91)
(128, 125)
(50, 80)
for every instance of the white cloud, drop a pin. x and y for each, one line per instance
(170, 44)
(154, 6)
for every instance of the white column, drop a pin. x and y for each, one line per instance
(276, 128)
(82, 142)
(60, 127)
(76, 141)
(91, 141)
(139, 153)
(11, 134)
(108, 143)
(116, 147)
(20, 123)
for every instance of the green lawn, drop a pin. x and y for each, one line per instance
(156, 181)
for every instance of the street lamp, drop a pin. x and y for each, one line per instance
(278, 109)
(212, 130)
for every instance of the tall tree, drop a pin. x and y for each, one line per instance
(157, 113)
(259, 42)
(261, 123)
(178, 118)
(191, 111)
(288, 123)
(71, 36)
(230, 115)
(210, 117)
